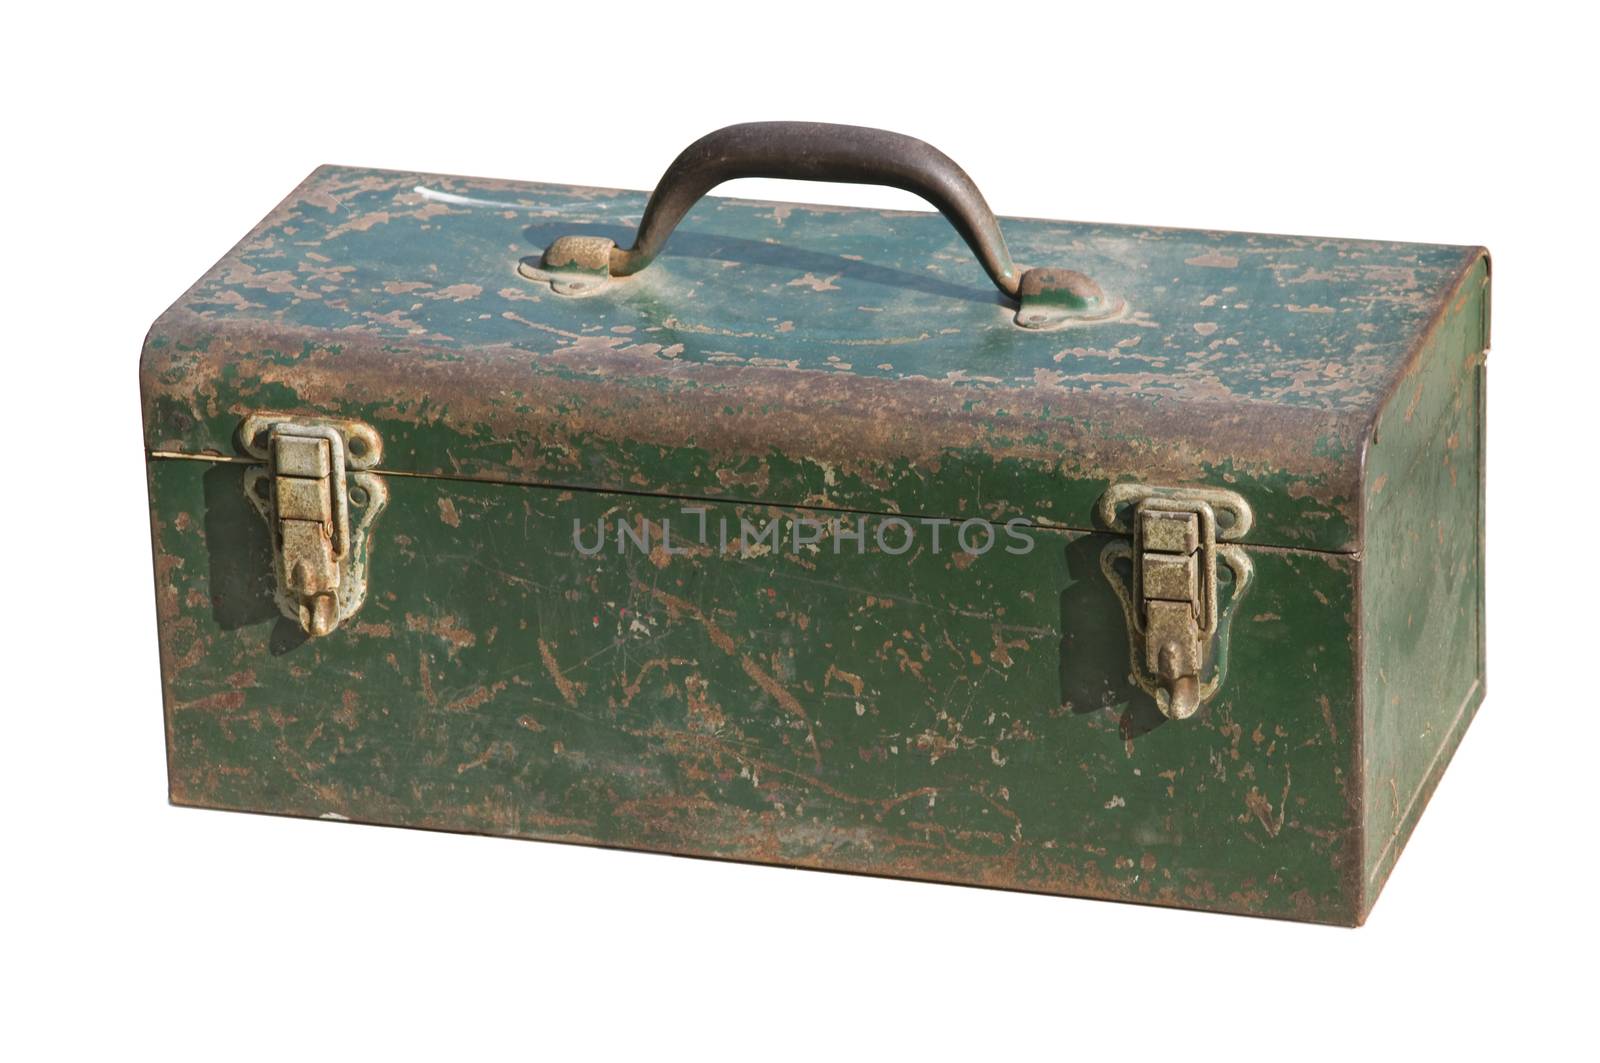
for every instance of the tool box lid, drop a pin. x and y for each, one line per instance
(806, 355)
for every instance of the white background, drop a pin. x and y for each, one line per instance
(143, 141)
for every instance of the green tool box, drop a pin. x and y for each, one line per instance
(1150, 569)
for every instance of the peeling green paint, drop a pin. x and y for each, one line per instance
(930, 716)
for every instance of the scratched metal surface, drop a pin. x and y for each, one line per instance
(1422, 579)
(802, 355)
(930, 715)
(968, 722)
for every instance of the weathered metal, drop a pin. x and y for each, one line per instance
(305, 492)
(1170, 595)
(817, 687)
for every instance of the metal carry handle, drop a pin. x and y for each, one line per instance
(818, 151)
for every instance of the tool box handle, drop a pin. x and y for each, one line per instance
(818, 151)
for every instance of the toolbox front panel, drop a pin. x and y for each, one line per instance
(927, 714)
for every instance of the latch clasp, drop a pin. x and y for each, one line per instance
(306, 493)
(1170, 594)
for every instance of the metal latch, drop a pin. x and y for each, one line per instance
(1169, 590)
(307, 493)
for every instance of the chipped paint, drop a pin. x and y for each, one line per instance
(928, 716)
(767, 685)
(711, 367)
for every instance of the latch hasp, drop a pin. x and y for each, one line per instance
(319, 505)
(1170, 596)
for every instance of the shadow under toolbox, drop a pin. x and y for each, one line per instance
(1153, 572)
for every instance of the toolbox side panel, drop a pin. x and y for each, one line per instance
(1422, 576)
(928, 715)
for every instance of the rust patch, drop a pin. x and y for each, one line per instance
(349, 711)
(1213, 260)
(476, 699)
(570, 690)
(222, 701)
(815, 283)
(850, 679)
(631, 689)
(448, 628)
(677, 607)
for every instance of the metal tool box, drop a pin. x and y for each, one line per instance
(1088, 559)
